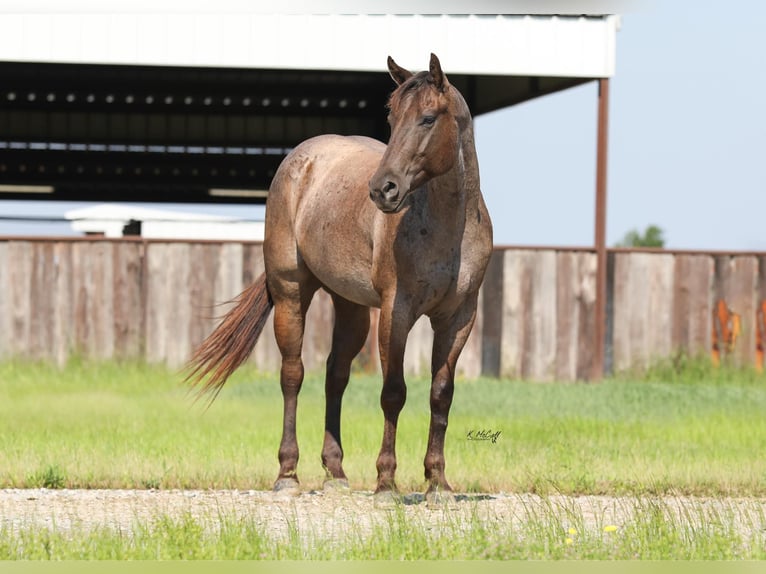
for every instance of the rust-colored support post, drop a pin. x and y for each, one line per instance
(601, 165)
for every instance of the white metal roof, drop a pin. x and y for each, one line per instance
(523, 45)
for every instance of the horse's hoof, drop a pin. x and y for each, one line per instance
(339, 485)
(287, 487)
(439, 499)
(387, 499)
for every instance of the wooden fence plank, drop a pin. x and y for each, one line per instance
(660, 310)
(64, 341)
(736, 282)
(492, 311)
(693, 304)
(760, 315)
(41, 300)
(628, 325)
(93, 296)
(102, 265)
(252, 263)
(540, 328)
(5, 301)
(575, 326)
(762, 278)
(229, 276)
(529, 315)
(205, 313)
(643, 308)
(20, 287)
(643, 303)
(511, 331)
(128, 299)
(586, 314)
(567, 313)
(38, 302)
(178, 305)
(156, 319)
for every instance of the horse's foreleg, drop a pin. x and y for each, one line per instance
(352, 324)
(392, 336)
(450, 336)
(289, 320)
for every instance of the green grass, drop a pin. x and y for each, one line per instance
(654, 531)
(110, 425)
(687, 430)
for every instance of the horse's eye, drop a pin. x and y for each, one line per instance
(428, 120)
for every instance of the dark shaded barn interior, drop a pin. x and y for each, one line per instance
(180, 134)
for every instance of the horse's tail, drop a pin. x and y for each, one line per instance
(232, 341)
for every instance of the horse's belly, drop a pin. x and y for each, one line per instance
(341, 260)
(352, 286)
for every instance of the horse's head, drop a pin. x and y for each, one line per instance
(423, 115)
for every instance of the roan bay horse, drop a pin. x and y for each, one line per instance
(402, 227)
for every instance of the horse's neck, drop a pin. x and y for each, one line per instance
(457, 192)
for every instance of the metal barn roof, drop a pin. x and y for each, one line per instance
(514, 45)
(201, 106)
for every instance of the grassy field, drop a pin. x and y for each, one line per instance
(107, 425)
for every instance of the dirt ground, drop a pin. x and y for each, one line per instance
(329, 514)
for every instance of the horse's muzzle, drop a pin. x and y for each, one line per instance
(387, 195)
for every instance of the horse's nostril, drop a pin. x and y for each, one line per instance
(390, 190)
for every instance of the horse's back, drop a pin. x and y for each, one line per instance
(322, 159)
(319, 213)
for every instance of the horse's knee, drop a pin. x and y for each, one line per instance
(393, 397)
(442, 390)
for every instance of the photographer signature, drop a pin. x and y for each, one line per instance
(484, 434)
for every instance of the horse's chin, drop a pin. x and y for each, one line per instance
(391, 209)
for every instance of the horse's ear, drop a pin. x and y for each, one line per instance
(437, 76)
(399, 74)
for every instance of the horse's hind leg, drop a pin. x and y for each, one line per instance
(352, 324)
(291, 301)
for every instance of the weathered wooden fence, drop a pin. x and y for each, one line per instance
(157, 300)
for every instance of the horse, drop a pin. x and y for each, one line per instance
(403, 228)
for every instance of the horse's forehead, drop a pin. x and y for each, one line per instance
(417, 98)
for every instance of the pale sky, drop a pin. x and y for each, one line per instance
(687, 140)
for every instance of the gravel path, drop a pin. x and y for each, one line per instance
(330, 514)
